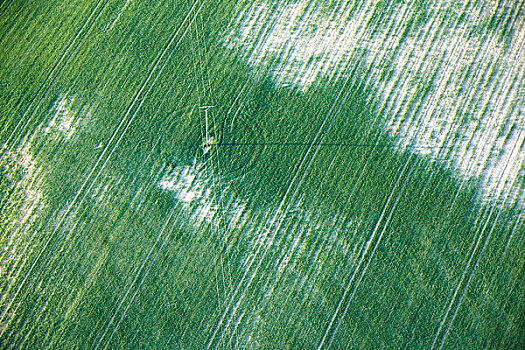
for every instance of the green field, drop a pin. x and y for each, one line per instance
(305, 226)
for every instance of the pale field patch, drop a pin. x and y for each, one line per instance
(449, 89)
(283, 234)
(63, 123)
(204, 195)
(19, 214)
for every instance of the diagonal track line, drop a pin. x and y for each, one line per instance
(52, 77)
(340, 99)
(101, 157)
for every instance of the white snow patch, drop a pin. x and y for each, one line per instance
(308, 43)
(63, 123)
(30, 183)
(21, 209)
(472, 115)
(204, 195)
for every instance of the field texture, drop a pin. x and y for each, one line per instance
(358, 184)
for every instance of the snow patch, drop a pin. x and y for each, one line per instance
(29, 184)
(21, 207)
(450, 89)
(63, 123)
(206, 196)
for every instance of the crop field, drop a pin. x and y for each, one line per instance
(293, 174)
